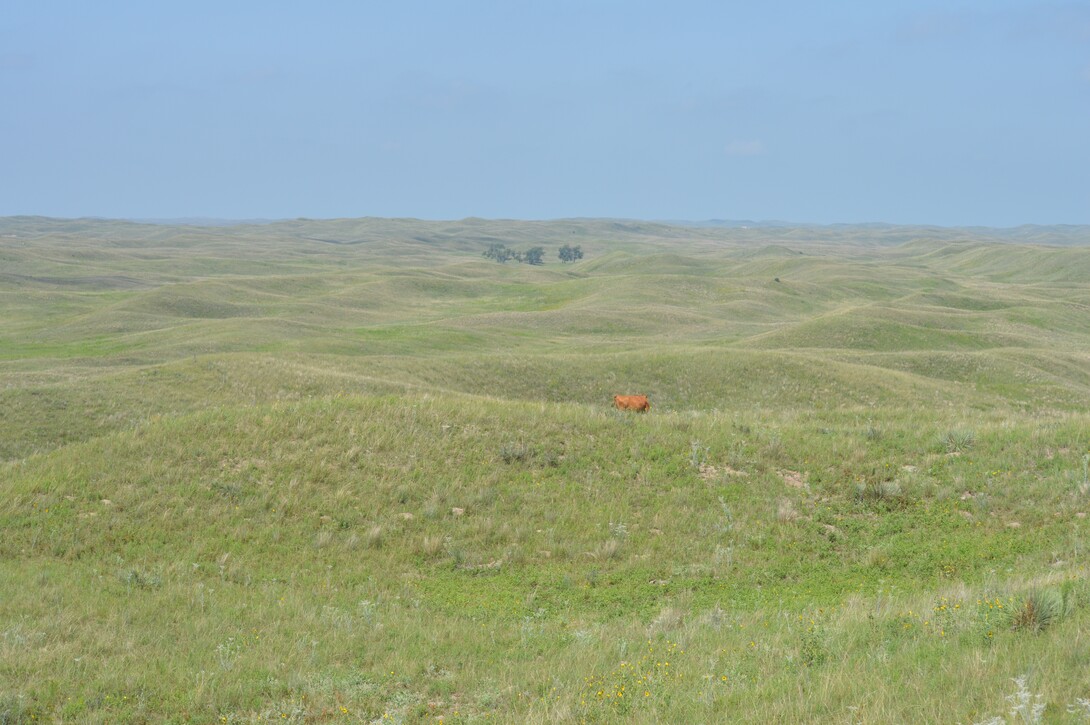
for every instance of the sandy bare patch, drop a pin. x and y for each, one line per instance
(709, 472)
(494, 564)
(794, 479)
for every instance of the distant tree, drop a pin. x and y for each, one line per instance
(534, 255)
(499, 253)
(570, 254)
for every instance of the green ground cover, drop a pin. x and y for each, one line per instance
(350, 470)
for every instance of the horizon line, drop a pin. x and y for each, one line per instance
(211, 221)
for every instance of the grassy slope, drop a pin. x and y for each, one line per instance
(348, 469)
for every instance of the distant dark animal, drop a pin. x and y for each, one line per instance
(632, 402)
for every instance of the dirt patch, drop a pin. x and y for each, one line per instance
(794, 479)
(709, 472)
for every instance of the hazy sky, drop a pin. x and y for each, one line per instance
(925, 112)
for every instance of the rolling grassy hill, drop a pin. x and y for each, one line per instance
(350, 470)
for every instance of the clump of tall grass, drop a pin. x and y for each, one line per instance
(668, 619)
(1040, 609)
(774, 447)
(608, 549)
(514, 453)
(1084, 485)
(785, 511)
(15, 709)
(432, 545)
(139, 579)
(323, 539)
(957, 440)
(878, 558)
(888, 494)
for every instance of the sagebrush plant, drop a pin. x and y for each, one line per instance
(1025, 706)
(1081, 708)
(698, 454)
(514, 453)
(15, 710)
(382, 481)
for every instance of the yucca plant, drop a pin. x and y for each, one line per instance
(1040, 609)
(957, 440)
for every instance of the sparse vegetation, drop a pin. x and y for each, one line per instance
(249, 476)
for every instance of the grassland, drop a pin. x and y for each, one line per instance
(349, 470)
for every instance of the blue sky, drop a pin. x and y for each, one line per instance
(923, 112)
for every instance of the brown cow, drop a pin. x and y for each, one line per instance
(632, 402)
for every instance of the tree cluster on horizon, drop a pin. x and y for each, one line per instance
(570, 254)
(534, 255)
(501, 253)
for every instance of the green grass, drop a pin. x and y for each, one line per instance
(351, 471)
